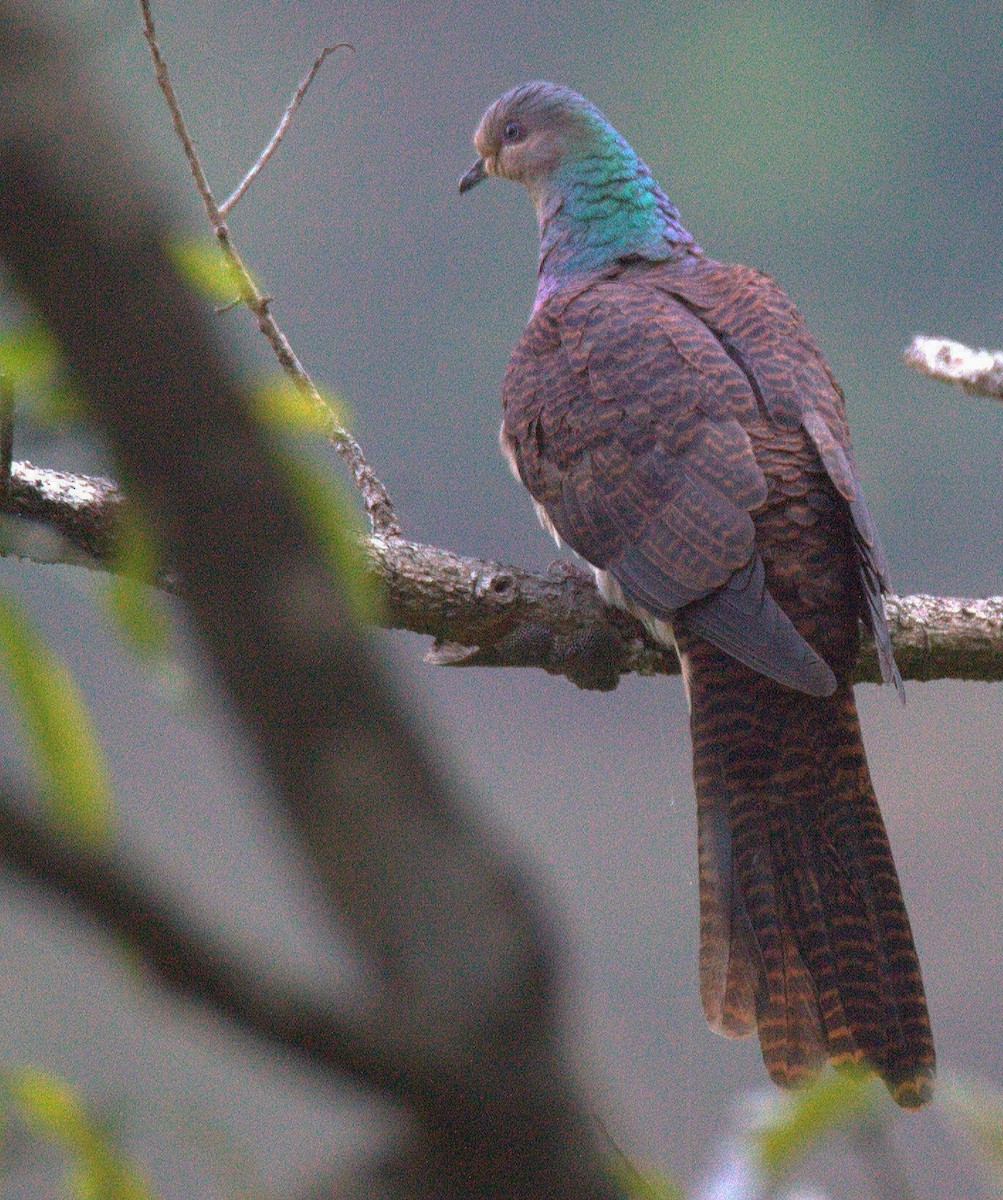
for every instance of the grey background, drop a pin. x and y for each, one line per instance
(852, 149)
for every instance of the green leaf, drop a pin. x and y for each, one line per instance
(50, 1107)
(132, 602)
(32, 360)
(638, 1185)
(978, 1110)
(54, 1111)
(29, 354)
(333, 520)
(279, 403)
(60, 735)
(205, 266)
(106, 1176)
(803, 1118)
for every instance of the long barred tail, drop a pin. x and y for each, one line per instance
(803, 931)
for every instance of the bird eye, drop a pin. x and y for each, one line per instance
(513, 132)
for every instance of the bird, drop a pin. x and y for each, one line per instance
(677, 427)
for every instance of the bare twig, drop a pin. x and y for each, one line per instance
(180, 128)
(282, 127)
(374, 495)
(977, 371)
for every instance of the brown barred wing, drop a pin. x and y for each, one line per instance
(626, 419)
(766, 336)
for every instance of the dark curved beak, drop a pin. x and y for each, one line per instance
(474, 176)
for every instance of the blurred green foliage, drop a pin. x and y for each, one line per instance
(136, 608)
(60, 737)
(32, 361)
(332, 518)
(206, 267)
(800, 1120)
(281, 404)
(54, 1112)
(644, 1185)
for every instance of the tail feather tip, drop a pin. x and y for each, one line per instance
(912, 1091)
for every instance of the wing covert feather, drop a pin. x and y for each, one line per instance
(604, 415)
(626, 418)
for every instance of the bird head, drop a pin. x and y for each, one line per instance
(596, 202)
(530, 131)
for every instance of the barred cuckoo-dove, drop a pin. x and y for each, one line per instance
(677, 427)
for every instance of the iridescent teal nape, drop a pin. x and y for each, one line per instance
(601, 205)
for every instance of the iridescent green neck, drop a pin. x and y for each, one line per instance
(601, 205)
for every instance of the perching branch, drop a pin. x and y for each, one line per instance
(54, 517)
(375, 496)
(977, 371)
(482, 613)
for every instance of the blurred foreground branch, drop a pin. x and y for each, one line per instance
(181, 956)
(465, 996)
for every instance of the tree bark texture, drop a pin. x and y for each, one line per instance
(482, 613)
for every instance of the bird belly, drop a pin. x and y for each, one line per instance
(661, 630)
(613, 594)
